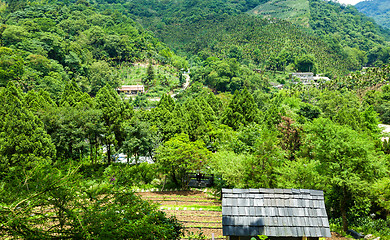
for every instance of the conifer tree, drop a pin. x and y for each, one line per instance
(242, 110)
(23, 140)
(114, 111)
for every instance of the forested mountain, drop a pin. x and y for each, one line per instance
(340, 38)
(46, 45)
(377, 9)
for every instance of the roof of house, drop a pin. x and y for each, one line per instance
(274, 213)
(131, 88)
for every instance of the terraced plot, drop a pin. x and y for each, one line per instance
(195, 209)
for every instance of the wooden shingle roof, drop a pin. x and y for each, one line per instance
(274, 213)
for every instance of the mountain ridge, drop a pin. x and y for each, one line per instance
(379, 10)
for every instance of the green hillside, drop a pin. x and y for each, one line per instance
(295, 11)
(377, 9)
(189, 27)
(43, 46)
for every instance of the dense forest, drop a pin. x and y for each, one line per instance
(63, 124)
(337, 33)
(378, 10)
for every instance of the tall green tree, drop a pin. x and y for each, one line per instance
(179, 155)
(23, 140)
(114, 112)
(347, 159)
(242, 110)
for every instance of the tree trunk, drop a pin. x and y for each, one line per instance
(343, 209)
(109, 154)
(174, 178)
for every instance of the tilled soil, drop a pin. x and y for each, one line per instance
(195, 221)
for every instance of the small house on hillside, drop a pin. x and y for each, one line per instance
(131, 89)
(277, 213)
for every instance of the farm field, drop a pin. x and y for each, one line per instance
(196, 210)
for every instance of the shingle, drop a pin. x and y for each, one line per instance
(284, 196)
(240, 221)
(259, 211)
(300, 231)
(250, 195)
(267, 190)
(225, 230)
(241, 202)
(226, 210)
(306, 231)
(238, 190)
(288, 232)
(274, 222)
(314, 222)
(313, 212)
(313, 232)
(307, 191)
(271, 231)
(253, 190)
(267, 221)
(259, 202)
(229, 202)
(271, 211)
(234, 211)
(252, 202)
(291, 212)
(299, 221)
(225, 190)
(318, 212)
(240, 231)
(299, 212)
(254, 231)
(278, 191)
(283, 221)
(294, 232)
(252, 211)
(287, 191)
(289, 221)
(317, 192)
(325, 222)
(326, 233)
(225, 220)
(259, 196)
(295, 191)
(279, 202)
(281, 212)
(242, 211)
(272, 201)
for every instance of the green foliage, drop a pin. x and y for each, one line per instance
(376, 9)
(347, 159)
(179, 155)
(24, 142)
(59, 205)
(242, 110)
